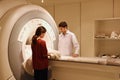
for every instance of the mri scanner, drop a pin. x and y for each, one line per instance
(17, 25)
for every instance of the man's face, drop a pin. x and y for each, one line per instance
(62, 29)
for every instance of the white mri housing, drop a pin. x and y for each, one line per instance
(12, 23)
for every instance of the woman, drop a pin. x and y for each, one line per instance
(39, 55)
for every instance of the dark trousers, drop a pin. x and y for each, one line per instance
(41, 74)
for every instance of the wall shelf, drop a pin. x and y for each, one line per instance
(106, 44)
(106, 39)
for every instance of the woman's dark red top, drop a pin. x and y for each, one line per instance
(39, 55)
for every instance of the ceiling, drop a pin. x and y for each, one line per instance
(51, 2)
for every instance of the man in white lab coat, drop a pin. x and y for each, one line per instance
(67, 44)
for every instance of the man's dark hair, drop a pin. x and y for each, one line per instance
(63, 24)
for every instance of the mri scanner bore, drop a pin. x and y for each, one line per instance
(27, 32)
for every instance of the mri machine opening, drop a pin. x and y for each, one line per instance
(18, 26)
(28, 31)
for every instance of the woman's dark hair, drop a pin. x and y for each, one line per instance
(63, 24)
(38, 32)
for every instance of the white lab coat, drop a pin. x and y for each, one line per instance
(68, 43)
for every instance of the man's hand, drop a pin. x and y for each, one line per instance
(75, 55)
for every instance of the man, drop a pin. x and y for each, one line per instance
(68, 44)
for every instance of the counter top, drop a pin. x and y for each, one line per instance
(95, 60)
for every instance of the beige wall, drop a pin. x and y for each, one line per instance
(81, 18)
(92, 10)
(116, 8)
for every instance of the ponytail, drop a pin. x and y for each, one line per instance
(34, 39)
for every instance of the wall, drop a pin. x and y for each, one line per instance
(116, 8)
(90, 11)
